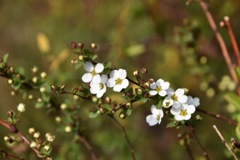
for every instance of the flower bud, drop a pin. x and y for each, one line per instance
(36, 135)
(43, 75)
(35, 69)
(33, 144)
(80, 45)
(31, 131)
(143, 70)
(34, 79)
(135, 73)
(10, 81)
(21, 107)
(93, 46)
(63, 106)
(42, 89)
(68, 129)
(73, 45)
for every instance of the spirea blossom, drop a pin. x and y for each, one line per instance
(194, 101)
(184, 112)
(178, 97)
(159, 87)
(92, 71)
(118, 80)
(98, 85)
(155, 117)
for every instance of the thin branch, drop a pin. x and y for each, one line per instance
(88, 146)
(220, 41)
(224, 142)
(10, 155)
(218, 116)
(188, 150)
(232, 38)
(13, 129)
(125, 136)
(198, 141)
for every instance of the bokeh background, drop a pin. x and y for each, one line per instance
(169, 38)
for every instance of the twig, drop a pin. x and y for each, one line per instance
(218, 116)
(220, 42)
(13, 129)
(10, 155)
(189, 152)
(232, 38)
(125, 136)
(88, 146)
(224, 142)
(198, 141)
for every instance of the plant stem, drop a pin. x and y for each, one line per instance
(198, 141)
(220, 42)
(224, 142)
(218, 116)
(125, 136)
(88, 146)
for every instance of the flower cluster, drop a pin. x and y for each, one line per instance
(180, 105)
(117, 79)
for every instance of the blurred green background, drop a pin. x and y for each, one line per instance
(157, 35)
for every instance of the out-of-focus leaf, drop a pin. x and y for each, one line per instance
(237, 132)
(135, 50)
(237, 70)
(233, 99)
(93, 114)
(107, 106)
(170, 125)
(5, 58)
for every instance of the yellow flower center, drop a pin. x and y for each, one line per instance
(118, 81)
(101, 85)
(175, 98)
(94, 73)
(159, 89)
(158, 117)
(184, 113)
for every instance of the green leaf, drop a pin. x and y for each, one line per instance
(237, 70)
(170, 125)
(5, 58)
(233, 99)
(20, 71)
(129, 111)
(107, 106)
(93, 114)
(238, 132)
(135, 50)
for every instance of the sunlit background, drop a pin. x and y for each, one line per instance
(169, 38)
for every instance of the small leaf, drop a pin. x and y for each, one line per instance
(237, 70)
(233, 99)
(107, 106)
(93, 114)
(129, 111)
(237, 132)
(20, 71)
(170, 125)
(135, 50)
(5, 58)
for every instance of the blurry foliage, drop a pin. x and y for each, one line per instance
(172, 40)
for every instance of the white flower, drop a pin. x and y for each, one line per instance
(159, 87)
(98, 85)
(155, 117)
(21, 107)
(118, 80)
(178, 97)
(92, 71)
(183, 112)
(193, 101)
(167, 102)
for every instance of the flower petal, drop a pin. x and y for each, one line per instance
(191, 109)
(104, 78)
(151, 120)
(117, 88)
(175, 111)
(99, 68)
(125, 83)
(87, 77)
(153, 85)
(182, 99)
(122, 73)
(88, 66)
(152, 92)
(162, 93)
(187, 117)
(111, 82)
(179, 117)
(165, 85)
